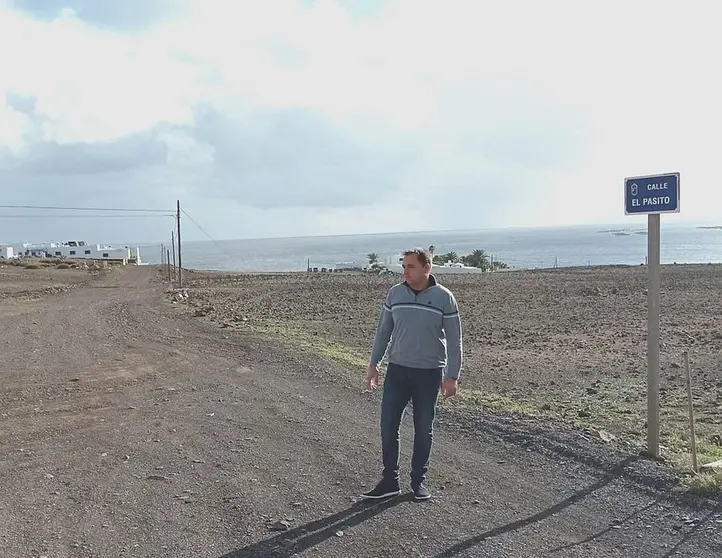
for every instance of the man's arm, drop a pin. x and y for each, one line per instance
(452, 328)
(383, 333)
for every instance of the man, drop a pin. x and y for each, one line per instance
(421, 328)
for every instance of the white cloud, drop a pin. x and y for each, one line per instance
(421, 114)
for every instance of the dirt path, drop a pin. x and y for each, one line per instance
(128, 428)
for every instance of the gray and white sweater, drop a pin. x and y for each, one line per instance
(420, 330)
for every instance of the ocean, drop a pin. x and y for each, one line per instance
(521, 248)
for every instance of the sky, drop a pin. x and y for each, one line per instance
(301, 117)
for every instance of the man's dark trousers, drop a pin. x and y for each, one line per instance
(421, 386)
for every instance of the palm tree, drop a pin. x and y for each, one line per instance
(373, 258)
(478, 258)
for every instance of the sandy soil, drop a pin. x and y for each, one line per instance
(131, 427)
(566, 344)
(19, 284)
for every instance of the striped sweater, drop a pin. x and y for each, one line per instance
(420, 330)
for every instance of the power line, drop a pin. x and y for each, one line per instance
(220, 248)
(120, 209)
(82, 216)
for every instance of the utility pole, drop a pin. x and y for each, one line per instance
(172, 241)
(168, 266)
(180, 261)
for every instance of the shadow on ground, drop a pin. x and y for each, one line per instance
(618, 471)
(307, 536)
(649, 474)
(479, 538)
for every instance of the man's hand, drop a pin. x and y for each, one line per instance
(372, 377)
(449, 388)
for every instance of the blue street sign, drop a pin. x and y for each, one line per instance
(657, 193)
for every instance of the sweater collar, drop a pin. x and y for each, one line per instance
(432, 283)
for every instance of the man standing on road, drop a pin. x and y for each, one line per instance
(421, 328)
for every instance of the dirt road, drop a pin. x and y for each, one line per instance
(129, 428)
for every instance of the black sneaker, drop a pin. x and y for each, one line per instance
(383, 489)
(421, 492)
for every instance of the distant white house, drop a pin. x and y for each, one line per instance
(6, 252)
(79, 250)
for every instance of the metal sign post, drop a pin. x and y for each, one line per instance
(652, 195)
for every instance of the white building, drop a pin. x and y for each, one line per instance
(81, 250)
(6, 252)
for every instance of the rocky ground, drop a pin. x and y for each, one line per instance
(564, 344)
(133, 424)
(39, 280)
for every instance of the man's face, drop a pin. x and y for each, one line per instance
(414, 272)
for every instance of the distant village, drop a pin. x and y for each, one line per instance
(71, 250)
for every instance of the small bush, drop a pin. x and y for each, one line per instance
(63, 266)
(31, 266)
(707, 484)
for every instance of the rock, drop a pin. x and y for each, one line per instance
(179, 296)
(156, 477)
(282, 525)
(606, 436)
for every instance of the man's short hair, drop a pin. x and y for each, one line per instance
(424, 256)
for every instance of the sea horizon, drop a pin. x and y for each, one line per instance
(519, 247)
(616, 225)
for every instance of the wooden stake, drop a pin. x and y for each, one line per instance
(693, 437)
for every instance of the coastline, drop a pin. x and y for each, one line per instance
(518, 249)
(397, 270)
